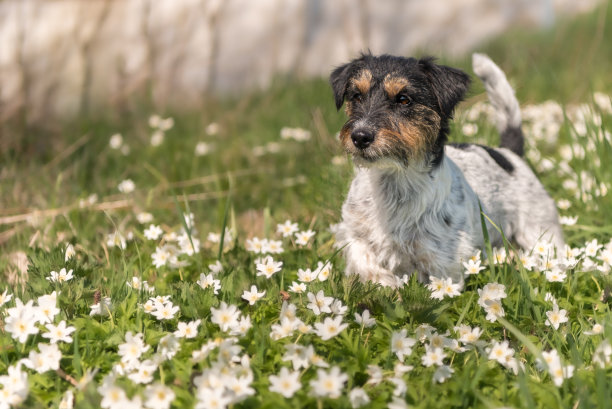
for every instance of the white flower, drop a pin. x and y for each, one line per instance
(364, 319)
(253, 296)
(436, 286)
(306, 276)
(112, 396)
(59, 333)
(158, 396)
(168, 346)
(550, 359)
(328, 384)
(70, 252)
(444, 287)
(67, 401)
(47, 308)
(144, 217)
(319, 303)
(528, 261)
(330, 327)
(4, 298)
(255, 245)
(401, 345)
(116, 239)
(162, 255)
(302, 237)
(596, 330)
(189, 245)
(298, 355)
(274, 247)
(338, 308)
(60, 277)
(555, 275)
(491, 291)
(499, 255)
(241, 327)
(212, 128)
(297, 287)
(46, 360)
(283, 329)
(288, 311)
(212, 398)
(602, 354)
(187, 329)
(164, 311)
(443, 373)
(133, 347)
(451, 290)
(101, 308)
(556, 317)
(14, 386)
(560, 373)
(215, 268)
(208, 281)
(287, 229)
(116, 141)
(286, 382)
(225, 316)
(144, 372)
(564, 204)
(153, 232)
(542, 248)
(358, 397)
(472, 267)
(157, 138)
(494, 309)
(21, 321)
(468, 335)
(268, 267)
(323, 270)
(500, 351)
(203, 148)
(567, 220)
(592, 248)
(433, 356)
(166, 124)
(126, 186)
(375, 373)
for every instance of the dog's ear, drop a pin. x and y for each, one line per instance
(449, 84)
(339, 79)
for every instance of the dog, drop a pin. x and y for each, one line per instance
(414, 205)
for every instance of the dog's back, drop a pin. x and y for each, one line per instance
(507, 188)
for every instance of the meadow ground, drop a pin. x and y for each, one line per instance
(131, 242)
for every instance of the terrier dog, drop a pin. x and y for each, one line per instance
(414, 204)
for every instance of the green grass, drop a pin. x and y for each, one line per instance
(47, 170)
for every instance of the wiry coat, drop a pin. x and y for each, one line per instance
(420, 213)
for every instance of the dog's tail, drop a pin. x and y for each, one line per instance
(501, 95)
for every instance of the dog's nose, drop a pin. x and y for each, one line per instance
(362, 138)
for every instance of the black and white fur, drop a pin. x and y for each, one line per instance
(421, 214)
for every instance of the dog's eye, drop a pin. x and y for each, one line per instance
(356, 97)
(403, 99)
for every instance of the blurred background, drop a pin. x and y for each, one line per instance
(68, 57)
(201, 100)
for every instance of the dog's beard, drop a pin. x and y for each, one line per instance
(365, 160)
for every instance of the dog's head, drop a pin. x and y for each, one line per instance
(398, 108)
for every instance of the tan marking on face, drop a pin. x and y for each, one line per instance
(412, 138)
(348, 108)
(363, 81)
(345, 138)
(394, 85)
